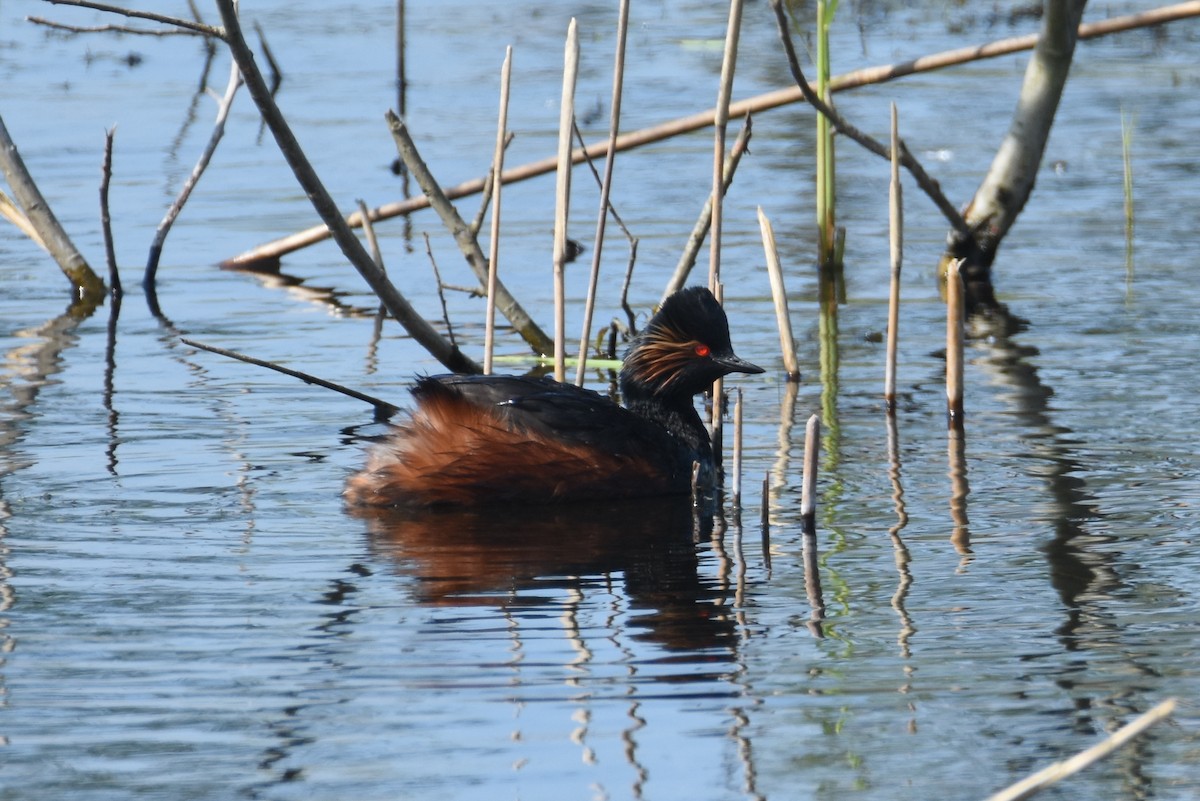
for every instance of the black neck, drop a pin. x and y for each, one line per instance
(677, 414)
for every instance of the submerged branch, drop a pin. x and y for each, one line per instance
(383, 409)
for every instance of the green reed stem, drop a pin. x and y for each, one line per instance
(1127, 123)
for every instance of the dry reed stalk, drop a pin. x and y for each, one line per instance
(562, 197)
(718, 399)
(372, 240)
(1061, 770)
(787, 342)
(720, 122)
(896, 253)
(808, 490)
(614, 124)
(808, 518)
(954, 344)
(1127, 185)
(693, 122)
(489, 331)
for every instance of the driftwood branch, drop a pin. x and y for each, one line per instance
(110, 253)
(467, 242)
(398, 306)
(50, 234)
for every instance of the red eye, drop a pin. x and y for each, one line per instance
(702, 350)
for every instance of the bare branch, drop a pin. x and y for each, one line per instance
(198, 27)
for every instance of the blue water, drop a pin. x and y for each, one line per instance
(187, 610)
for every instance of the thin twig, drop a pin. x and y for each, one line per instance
(383, 409)
(198, 27)
(110, 255)
(164, 227)
(441, 290)
(78, 29)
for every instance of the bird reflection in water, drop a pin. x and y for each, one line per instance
(504, 556)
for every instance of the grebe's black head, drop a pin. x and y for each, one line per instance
(684, 348)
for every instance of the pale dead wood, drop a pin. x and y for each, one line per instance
(50, 233)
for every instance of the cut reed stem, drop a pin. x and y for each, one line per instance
(954, 345)
(808, 487)
(896, 252)
(787, 342)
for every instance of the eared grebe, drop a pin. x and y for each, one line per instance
(513, 439)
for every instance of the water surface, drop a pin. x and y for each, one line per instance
(190, 612)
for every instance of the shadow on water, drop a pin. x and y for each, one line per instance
(504, 557)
